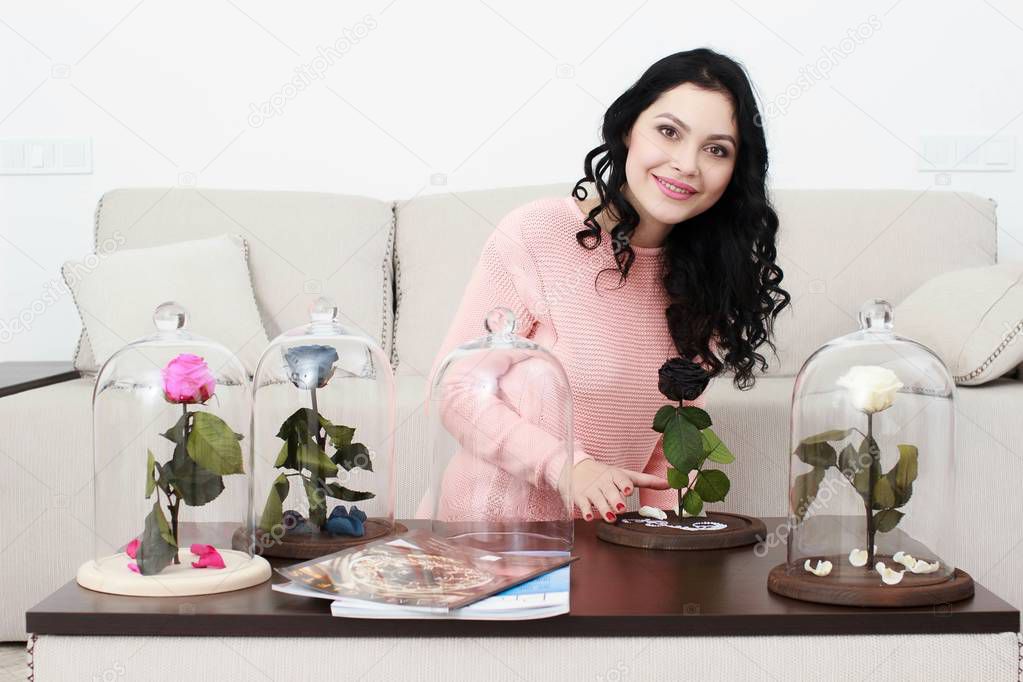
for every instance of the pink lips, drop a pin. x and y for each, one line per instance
(680, 196)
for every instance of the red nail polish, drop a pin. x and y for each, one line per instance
(610, 516)
(628, 491)
(589, 517)
(621, 506)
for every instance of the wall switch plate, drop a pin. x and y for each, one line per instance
(39, 156)
(967, 153)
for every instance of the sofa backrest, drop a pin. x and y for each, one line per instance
(301, 245)
(837, 248)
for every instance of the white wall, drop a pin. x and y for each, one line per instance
(466, 89)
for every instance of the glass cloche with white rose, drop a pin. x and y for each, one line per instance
(871, 473)
(172, 471)
(323, 422)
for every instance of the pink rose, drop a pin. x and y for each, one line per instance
(133, 548)
(187, 379)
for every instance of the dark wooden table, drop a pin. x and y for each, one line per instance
(16, 377)
(615, 591)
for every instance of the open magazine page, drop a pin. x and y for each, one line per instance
(419, 569)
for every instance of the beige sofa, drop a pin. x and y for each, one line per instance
(398, 269)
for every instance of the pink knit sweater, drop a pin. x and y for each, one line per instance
(611, 342)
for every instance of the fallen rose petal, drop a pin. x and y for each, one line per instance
(201, 550)
(208, 559)
(133, 567)
(823, 568)
(906, 560)
(652, 512)
(922, 566)
(132, 548)
(858, 557)
(888, 575)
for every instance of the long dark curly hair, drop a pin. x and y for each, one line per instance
(719, 271)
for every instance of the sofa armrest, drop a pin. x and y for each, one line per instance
(17, 377)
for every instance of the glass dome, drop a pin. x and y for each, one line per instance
(322, 440)
(500, 442)
(871, 512)
(170, 432)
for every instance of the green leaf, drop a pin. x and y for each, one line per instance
(150, 476)
(287, 458)
(804, 490)
(317, 496)
(887, 519)
(661, 418)
(214, 446)
(311, 457)
(342, 493)
(677, 479)
(340, 436)
(834, 434)
(861, 464)
(884, 494)
(352, 456)
(692, 503)
(716, 450)
(819, 454)
(157, 547)
(176, 433)
(195, 485)
(848, 462)
(712, 485)
(696, 416)
(683, 445)
(273, 511)
(303, 423)
(903, 474)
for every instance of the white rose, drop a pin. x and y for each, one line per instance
(871, 388)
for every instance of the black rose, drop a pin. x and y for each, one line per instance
(681, 379)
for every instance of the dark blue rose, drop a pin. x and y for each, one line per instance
(343, 522)
(311, 366)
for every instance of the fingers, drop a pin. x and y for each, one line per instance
(647, 480)
(622, 481)
(584, 507)
(602, 506)
(613, 495)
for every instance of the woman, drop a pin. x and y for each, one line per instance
(673, 255)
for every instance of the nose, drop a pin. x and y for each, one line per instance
(685, 161)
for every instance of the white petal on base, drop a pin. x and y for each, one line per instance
(858, 557)
(822, 569)
(889, 576)
(922, 566)
(906, 560)
(652, 513)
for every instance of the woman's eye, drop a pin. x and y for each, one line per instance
(724, 152)
(670, 129)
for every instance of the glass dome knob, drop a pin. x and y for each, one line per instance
(170, 316)
(500, 320)
(876, 315)
(323, 310)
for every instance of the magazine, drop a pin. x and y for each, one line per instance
(542, 597)
(419, 569)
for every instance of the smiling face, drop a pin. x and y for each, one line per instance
(687, 138)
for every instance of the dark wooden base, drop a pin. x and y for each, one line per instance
(740, 530)
(312, 545)
(848, 585)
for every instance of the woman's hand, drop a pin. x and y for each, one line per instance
(602, 486)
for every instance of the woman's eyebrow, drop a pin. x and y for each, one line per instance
(683, 126)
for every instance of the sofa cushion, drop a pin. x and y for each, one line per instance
(971, 318)
(301, 245)
(837, 248)
(208, 277)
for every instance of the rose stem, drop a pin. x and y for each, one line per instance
(321, 441)
(177, 500)
(869, 502)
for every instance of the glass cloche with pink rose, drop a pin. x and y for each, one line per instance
(871, 501)
(322, 443)
(172, 467)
